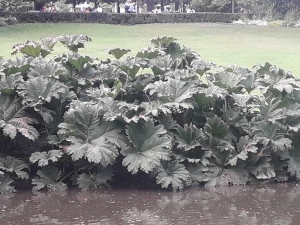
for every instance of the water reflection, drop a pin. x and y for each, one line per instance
(255, 205)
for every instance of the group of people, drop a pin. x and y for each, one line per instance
(167, 9)
(52, 8)
(130, 7)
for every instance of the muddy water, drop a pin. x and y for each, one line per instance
(257, 205)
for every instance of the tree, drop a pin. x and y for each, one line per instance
(74, 2)
(16, 5)
(38, 4)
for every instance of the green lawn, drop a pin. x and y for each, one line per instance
(222, 44)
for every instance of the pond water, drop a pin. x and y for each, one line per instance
(257, 205)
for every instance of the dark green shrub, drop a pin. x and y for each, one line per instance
(166, 113)
(211, 6)
(2, 22)
(8, 20)
(124, 18)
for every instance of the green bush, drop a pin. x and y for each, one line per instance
(2, 22)
(211, 5)
(9, 20)
(123, 18)
(165, 113)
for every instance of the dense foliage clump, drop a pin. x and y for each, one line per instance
(165, 113)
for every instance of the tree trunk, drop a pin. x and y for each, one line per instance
(162, 5)
(177, 3)
(96, 4)
(118, 6)
(150, 5)
(37, 6)
(232, 6)
(74, 4)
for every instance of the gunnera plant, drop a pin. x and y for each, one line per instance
(164, 112)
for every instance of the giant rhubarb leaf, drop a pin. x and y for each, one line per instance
(74, 42)
(173, 92)
(39, 90)
(95, 180)
(13, 118)
(12, 165)
(216, 127)
(267, 134)
(49, 177)
(150, 144)
(5, 184)
(188, 137)
(91, 139)
(174, 174)
(43, 158)
(293, 159)
(218, 176)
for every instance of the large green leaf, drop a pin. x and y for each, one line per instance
(174, 92)
(5, 184)
(155, 108)
(30, 48)
(49, 177)
(17, 65)
(200, 66)
(293, 159)
(241, 100)
(263, 169)
(74, 42)
(8, 84)
(188, 137)
(130, 66)
(174, 174)
(271, 110)
(184, 75)
(45, 67)
(196, 155)
(91, 139)
(163, 41)
(78, 62)
(244, 146)
(106, 72)
(12, 165)
(207, 95)
(275, 78)
(150, 144)
(267, 134)
(218, 176)
(216, 127)
(43, 158)
(95, 180)
(13, 119)
(47, 45)
(232, 81)
(118, 52)
(39, 90)
(148, 53)
(161, 64)
(197, 172)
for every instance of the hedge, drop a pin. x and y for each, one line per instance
(114, 18)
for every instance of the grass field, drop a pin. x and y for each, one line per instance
(222, 44)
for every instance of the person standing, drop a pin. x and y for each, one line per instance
(133, 7)
(44, 9)
(157, 9)
(128, 6)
